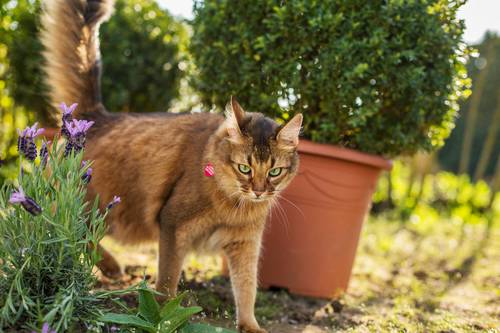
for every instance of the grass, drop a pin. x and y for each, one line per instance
(439, 279)
(443, 277)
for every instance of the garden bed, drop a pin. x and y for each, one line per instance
(413, 277)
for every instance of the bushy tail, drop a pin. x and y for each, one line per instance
(72, 58)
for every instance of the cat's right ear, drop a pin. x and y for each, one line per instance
(234, 119)
(288, 136)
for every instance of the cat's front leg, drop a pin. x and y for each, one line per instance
(243, 259)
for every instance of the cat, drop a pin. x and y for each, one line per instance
(157, 163)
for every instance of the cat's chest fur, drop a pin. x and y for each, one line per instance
(217, 227)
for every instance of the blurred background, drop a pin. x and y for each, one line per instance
(430, 250)
(149, 66)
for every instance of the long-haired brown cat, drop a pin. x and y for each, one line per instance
(156, 163)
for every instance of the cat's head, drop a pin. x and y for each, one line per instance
(257, 157)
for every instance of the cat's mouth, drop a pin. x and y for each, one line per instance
(256, 197)
(259, 199)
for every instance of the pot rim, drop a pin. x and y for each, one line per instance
(337, 152)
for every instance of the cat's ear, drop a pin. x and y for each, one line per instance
(288, 136)
(234, 118)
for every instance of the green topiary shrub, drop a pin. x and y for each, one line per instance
(142, 64)
(383, 77)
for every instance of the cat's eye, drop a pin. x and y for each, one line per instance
(245, 169)
(275, 172)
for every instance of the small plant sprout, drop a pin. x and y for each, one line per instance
(170, 318)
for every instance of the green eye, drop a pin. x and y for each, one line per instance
(275, 172)
(245, 169)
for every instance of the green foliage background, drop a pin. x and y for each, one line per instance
(141, 47)
(12, 114)
(143, 50)
(449, 156)
(439, 195)
(383, 77)
(18, 34)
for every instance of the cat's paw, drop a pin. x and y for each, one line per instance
(244, 328)
(110, 269)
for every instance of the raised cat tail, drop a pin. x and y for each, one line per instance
(72, 58)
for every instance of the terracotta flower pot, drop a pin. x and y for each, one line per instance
(309, 246)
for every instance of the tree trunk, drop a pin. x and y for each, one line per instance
(495, 183)
(489, 142)
(470, 124)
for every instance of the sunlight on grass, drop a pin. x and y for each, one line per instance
(435, 279)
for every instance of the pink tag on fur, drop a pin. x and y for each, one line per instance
(209, 170)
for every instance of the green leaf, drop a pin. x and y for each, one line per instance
(203, 328)
(128, 320)
(148, 307)
(172, 305)
(180, 316)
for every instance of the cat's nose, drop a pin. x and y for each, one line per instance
(258, 193)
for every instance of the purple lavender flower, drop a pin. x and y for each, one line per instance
(77, 130)
(76, 127)
(116, 200)
(67, 117)
(19, 197)
(26, 141)
(21, 140)
(88, 174)
(44, 153)
(46, 329)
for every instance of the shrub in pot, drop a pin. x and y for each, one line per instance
(370, 77)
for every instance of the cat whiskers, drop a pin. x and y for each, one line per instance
(241, 203)
(235, 205)
(283, 217)
(291, 203)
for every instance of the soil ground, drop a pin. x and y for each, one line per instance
(443, 277)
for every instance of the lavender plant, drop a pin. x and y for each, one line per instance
(47, 235)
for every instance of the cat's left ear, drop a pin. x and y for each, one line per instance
(288, 136)
(234, 118)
